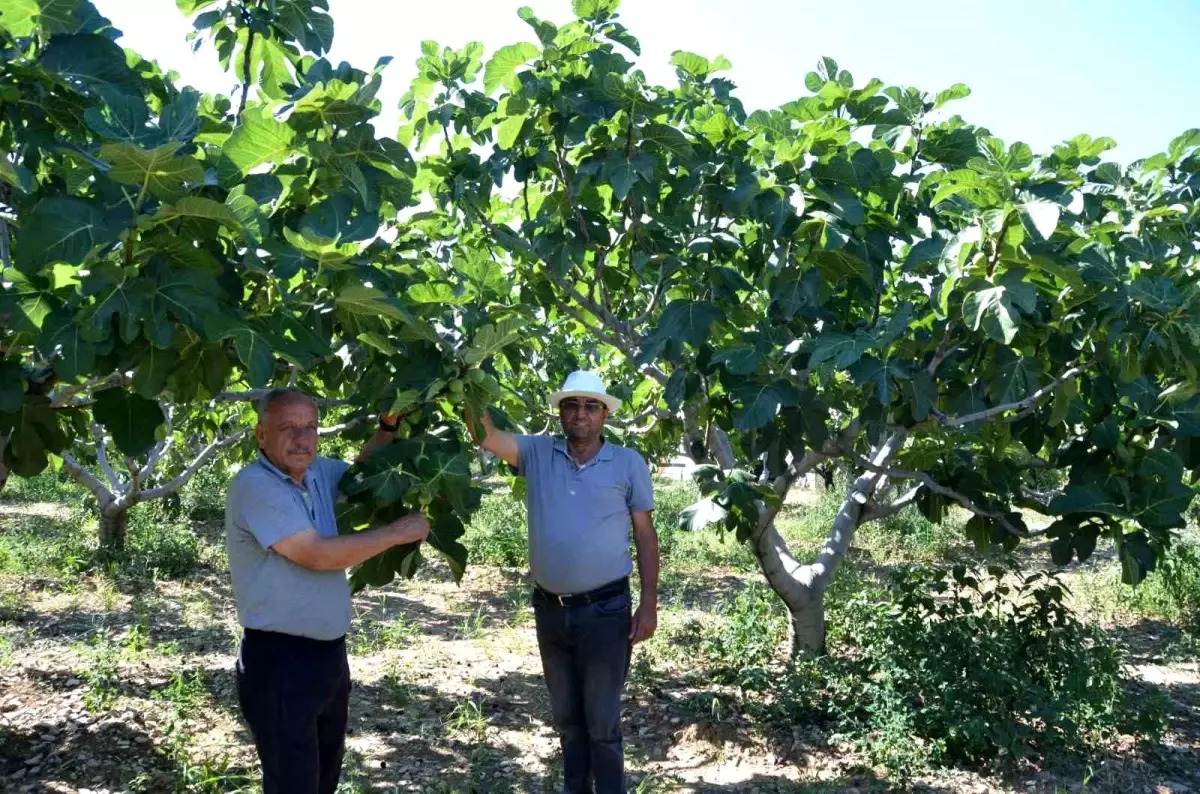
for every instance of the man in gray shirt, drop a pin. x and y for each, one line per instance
(584, 496)
(288, 566)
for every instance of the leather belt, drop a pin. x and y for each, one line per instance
(601, 593)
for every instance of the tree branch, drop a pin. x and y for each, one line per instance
(88, 480)
(1020, 405)
(876, 511)
(254, 395)
(158, 449)
(943, 349)
(562, 174)
(62, 398)
(649, 413)
(102, 458)
(659, 290)
(344, 426)
(938, 488)
(187, 474)
(812, 579)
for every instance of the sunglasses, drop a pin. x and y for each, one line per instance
(572, 406)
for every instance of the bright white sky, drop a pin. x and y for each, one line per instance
(1041, 71)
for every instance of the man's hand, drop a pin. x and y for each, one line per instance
(412, 528)
(645, 621)
(501, 444)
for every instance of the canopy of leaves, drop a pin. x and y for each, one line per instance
(845, 260)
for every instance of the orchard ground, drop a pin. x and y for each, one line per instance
(118, 675)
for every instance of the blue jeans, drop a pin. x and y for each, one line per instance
(585, 658)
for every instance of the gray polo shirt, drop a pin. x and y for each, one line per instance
(579, 516)
(263, 507)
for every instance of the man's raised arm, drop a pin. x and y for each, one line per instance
(501, 444)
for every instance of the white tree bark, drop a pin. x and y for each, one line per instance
(801, 586)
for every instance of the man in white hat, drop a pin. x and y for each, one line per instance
(584, 496)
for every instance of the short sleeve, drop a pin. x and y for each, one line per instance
(529, 449)
(332, 470)
(267, 511)
(641, 490)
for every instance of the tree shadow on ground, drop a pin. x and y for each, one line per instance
(700, 589)
(422, 733)
(115, 753)
(781, 784)
(163, 622)
(1150, 641)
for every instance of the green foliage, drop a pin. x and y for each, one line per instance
(1170, 594)
(183, 693)
(910, 536)
(497, 534)
(44, 545)
(741, 644)
(670, 500)
(970, 666)
(370, 636)
(49, 486)
(467, 719)
(854, 258)
(66, 546)
(206, 247)
(203, 497)
(1173, 592)
(159, 550)
(424, 472)
(101, 673)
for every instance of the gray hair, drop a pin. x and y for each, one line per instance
(264, 403)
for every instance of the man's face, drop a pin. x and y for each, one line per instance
(582, 418)
(288, 436)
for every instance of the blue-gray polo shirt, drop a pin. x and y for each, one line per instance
(579, 516)
(263, 507)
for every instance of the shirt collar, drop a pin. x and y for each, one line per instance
(281, 474)
(603, 454)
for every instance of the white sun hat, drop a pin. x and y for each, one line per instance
(582, 383)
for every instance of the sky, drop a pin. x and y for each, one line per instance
(1040, 71)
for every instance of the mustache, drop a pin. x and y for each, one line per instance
(299, 451)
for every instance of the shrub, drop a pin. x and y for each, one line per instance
(497, 532)
(203, 498)
(670, 499)
(910, 536)
(741, 644)
(44, 545)
(159, 549)
(1172, 590)
(969, 666)
(49, 486)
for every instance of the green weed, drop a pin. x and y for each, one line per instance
(372, 636)
(497, 532)
(467, 719)
(742, 642)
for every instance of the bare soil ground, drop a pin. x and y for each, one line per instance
(111, 688)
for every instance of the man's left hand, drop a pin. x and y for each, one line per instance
(645, 621)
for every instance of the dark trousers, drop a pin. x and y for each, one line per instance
(585, 657)
(294, 694)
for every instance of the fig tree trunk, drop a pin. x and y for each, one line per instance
(112, 529)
